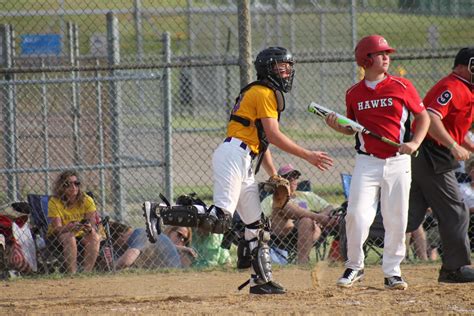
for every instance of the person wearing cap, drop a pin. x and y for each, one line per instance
(302, 218)
(449, 104)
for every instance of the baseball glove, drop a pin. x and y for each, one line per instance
(280, 187)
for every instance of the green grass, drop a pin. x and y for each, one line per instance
(398, 28)
(414, 29)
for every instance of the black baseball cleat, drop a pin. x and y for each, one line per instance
(152, 221)
(464, 274)
(270, 287)
(349, 277)
(395, 283)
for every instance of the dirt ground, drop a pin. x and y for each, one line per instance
(216, 292)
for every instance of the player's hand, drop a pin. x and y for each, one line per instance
(408, 148)
(320, 159)
(331, 120)
(460, 153)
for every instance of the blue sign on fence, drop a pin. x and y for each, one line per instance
(40, 44)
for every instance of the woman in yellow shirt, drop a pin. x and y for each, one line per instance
(73, 219)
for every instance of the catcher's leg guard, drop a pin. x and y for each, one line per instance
(214, 220)
(179, 215)
(244, 258)
(260, 261)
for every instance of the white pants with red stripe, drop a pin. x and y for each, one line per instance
(390, 180)
(234, 181)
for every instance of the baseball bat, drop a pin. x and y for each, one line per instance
(347, 122)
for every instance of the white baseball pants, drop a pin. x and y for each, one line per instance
(373, 179)
(234, 181)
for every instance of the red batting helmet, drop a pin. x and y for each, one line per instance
(369, 45)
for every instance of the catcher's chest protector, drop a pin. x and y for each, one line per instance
(280, 98)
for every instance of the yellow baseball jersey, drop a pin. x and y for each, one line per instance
(257, 102)
(56, 208)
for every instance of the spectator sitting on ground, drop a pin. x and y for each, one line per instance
(302, 218)
(73, 219)
(206, 248)
(182, 238)
(133, 249)
(210, 252)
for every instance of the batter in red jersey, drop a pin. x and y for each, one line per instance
(382, 103)
(449, 104)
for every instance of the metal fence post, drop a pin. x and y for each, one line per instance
(322, 47)
(137, 14)
(189, 20)
(245, 42)
(8, 109)
(167, 124)
(45, 129)
(73, 40)
(100, 138)
(115, 92)
(354, 36)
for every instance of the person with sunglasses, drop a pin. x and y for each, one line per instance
(449, 104)
(302, 219)
(133, 249)
(182, 237)
(73, 219)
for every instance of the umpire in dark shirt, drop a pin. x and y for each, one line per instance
(449, 104)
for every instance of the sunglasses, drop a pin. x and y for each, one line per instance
(67, 184)
(182, 238)
(291, 177)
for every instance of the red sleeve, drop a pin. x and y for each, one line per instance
(412, 99)
(438, 100)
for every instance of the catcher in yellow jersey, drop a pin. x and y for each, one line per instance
(253, 125)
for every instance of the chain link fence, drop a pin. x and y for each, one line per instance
(135, 95)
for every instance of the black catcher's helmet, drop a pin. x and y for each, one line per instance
(265, 62)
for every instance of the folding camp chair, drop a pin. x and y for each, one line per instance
(289, 242)
(49, 258)
(375, 239)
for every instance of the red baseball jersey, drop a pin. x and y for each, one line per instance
(384, 110)
(451, 99)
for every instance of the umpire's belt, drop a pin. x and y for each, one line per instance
(242, 145)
